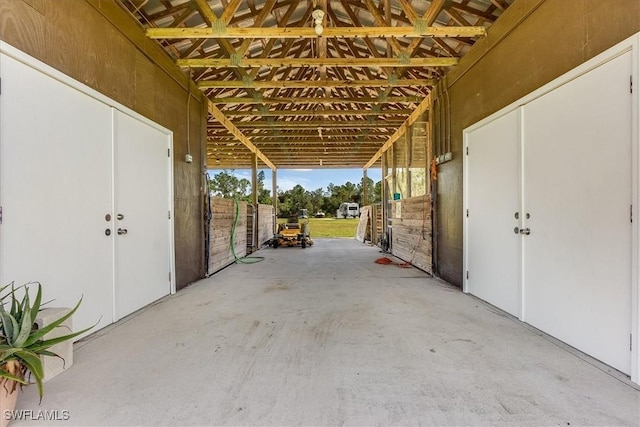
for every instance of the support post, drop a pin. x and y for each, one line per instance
(254, 200)
(365, 188)
(274, 198)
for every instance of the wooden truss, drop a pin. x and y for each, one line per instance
(294, 99)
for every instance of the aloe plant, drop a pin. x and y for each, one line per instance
(22, 343)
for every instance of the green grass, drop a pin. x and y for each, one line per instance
(330, 227)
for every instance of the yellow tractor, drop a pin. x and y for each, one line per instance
(292, 233)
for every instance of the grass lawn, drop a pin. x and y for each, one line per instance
(330, 227)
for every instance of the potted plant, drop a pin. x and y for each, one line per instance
(22, 343)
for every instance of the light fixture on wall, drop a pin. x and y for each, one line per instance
(318, 15)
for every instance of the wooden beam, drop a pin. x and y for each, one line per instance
(219, 116)
(380, 21)
(312, 113)
(431, 14)
(309, 33)
(205, 10)
(230, 10)
(317, 62)
(348, 124)
(424, 106)
(327, 134)
(318, 142)
(303, 100)
(285, 84)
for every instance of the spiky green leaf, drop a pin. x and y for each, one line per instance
(37, 335)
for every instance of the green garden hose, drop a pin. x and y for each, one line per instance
(246, 259)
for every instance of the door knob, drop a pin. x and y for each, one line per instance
(122, 231)
(525, 231)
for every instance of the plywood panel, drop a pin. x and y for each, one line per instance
(411, 233)
(22, 26)
(364, 225)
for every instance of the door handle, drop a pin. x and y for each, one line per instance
(122, 231)
(525, 231)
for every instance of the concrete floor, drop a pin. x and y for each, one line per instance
(324, 336)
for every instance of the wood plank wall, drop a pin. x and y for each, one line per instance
(411, 232)
(265, 224)
(222, 225)
(99, 44)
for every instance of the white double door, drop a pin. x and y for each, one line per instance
(549, 198)
(85, 190)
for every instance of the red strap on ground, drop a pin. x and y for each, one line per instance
(386, 261)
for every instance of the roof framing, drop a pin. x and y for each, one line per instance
(278, 91)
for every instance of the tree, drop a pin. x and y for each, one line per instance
(317, 199)
(370, 192)
(264, 195)
(227, 185)
(377, 192)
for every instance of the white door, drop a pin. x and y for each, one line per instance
(577, 174)
(55, 191)
(142, 206)
(493, 201)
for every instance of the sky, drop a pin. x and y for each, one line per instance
(310, 179)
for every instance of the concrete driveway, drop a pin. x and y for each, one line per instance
(325, 336)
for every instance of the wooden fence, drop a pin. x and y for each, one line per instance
(411, 231)
(228, 218)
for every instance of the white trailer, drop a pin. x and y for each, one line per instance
(348, 210)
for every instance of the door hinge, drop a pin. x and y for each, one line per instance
(467, 274)
(630, 342)
(169, 214)
(467, 151)
(169, 276)
(631, 213)
(0, 86)
(0, 214)
(168, 152)
(467, 213)
(630, 84)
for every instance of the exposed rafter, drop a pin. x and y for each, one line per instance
(306, 101)
(417, 113)
(219, 116)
